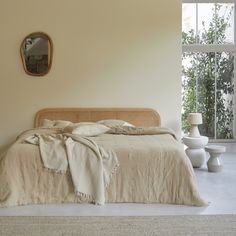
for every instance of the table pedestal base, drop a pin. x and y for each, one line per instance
(213, 163)
(196, 156)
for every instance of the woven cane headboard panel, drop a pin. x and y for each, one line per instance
(138, 116)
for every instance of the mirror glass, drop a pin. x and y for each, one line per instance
(36, 54)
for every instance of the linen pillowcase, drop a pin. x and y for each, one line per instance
(47, 123)
(114, 123)
(55, 123)
(86, 129)
(62, 123)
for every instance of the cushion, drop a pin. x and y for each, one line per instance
(47, 123)
(62, 123)
(114, 122)
(86, 129)
(55, 123)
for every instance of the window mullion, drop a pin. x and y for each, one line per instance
(215, 105)
(197, 41)
(209, 48)
(197, 36)
(208, 1)
(234, 100)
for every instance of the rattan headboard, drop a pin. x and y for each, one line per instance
(138, 116)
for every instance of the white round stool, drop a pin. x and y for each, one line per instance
(195, 150)
(213, 163)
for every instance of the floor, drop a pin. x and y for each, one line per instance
(217, 188)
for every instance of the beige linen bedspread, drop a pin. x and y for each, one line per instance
(153, 169)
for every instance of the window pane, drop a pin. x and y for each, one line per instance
(206, 92)
(206, 26)
(224, 95)
(208, 88)
(225, 23)
(188, 23)
(198, 90)
(189, 67)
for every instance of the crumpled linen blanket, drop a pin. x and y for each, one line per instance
(90, 165)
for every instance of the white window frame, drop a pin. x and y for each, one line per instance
(217, 48)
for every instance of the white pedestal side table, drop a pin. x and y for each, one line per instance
(195, 150)
(213, 163)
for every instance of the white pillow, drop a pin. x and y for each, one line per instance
(55, 123)
(86, 129)
(47, 123)
(114, 122)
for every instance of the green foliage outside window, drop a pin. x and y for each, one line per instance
(207, 84)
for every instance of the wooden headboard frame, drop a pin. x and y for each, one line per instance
(138, 116)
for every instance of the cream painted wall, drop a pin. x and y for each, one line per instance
(107, 53)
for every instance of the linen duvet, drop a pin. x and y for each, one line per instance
(152, 168)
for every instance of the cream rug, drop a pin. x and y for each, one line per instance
(222, 225)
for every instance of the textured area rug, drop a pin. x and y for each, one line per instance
(222, 225)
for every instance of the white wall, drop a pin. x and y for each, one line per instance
(107, 53)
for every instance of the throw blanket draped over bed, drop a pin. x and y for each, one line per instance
(90, 165)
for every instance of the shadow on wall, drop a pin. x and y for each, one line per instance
(4, 148)
(174, 125)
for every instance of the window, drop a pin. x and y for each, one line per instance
(208, 62)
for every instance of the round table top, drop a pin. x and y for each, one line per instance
(195, 142)
(215, 148)
(196, 138)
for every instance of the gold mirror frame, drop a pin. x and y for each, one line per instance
(49, 53)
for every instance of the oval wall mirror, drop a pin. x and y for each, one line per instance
(36, 54)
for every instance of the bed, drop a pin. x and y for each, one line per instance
(152, 168)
